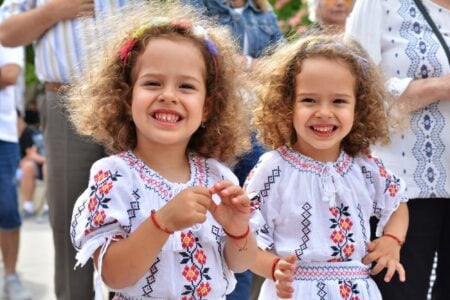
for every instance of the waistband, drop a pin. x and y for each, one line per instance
(331, 271)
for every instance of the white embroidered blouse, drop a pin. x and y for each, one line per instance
(320, 212)
(397, 37)
(121, 194)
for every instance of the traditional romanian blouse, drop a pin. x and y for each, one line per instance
(398, 37)
(320, 212)
(121, 194)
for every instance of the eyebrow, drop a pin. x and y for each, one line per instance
(184, 77)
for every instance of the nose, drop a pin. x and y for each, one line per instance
(168, 94)
(324, 111)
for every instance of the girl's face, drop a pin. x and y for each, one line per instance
(324, 107)
(169, 93)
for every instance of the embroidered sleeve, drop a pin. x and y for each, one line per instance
(97, 210)
(261, 188)
(389, 192)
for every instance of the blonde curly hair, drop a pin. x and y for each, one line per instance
(273, 116)
(99, 101)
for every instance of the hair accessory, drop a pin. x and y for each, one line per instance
(197, 30)
(364, 63)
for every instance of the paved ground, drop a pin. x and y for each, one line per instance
(35, 264)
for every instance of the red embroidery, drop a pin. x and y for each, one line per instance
(341, 236)
(98, 200)
(195, 270)
(348, 290)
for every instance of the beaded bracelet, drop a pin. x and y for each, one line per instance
(238, 237)
(152, 216)
(399, 241)
(274, 264)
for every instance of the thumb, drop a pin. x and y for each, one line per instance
(291, 259)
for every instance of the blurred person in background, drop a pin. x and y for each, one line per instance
(401, 40)
(32, 163)
(11, 64)
(329, 15)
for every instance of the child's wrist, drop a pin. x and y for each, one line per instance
(238, 236)
(399, 241)
(158, 224)
(275, 261)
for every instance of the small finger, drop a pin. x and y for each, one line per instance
(401, 272)
(391, 267)
(380, 265)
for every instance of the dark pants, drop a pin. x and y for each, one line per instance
(428, 232)
(69, 158)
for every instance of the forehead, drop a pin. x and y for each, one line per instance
(323, 73)
(172, 53)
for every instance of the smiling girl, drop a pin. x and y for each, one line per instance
(320, 110)
(162, 217)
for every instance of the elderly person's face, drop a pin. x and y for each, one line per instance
(334, 12)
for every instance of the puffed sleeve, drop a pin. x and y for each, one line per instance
(387, 191)
(97, 217)
(261, 187)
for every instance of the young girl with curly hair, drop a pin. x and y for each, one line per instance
(162, 217)
(321, 107)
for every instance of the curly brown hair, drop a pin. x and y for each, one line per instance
(273, 116)
(100, 100)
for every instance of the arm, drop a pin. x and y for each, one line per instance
(233, 213)
(272, 267)
(24, 28)
(120, 269)
(239, 254)
(385, 251)
(422, 92)
(9, 74)
(33, 154)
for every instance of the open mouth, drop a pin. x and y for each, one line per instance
(166, 117)
(323, 130)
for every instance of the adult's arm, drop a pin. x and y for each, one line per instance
(9, 74)
(25, 27)
(422, 92)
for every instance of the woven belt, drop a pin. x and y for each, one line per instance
(331, 271)
(53, 86)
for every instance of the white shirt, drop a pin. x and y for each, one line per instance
(320, 212)
(8, 115)
(121, 194)
(399, 39)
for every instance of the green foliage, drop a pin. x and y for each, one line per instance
(292, 15)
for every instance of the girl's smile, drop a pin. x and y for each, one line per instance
(324, 107)
(169, 93)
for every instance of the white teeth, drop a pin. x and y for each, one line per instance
(323, 128)
(165, 117)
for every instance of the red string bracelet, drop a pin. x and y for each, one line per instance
(274, 264)
(152, 216)
(399, 241)
(238, 237)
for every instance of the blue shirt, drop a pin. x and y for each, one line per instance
(260, 26)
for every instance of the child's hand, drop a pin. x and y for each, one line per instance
(284, 275)
(385, 251)
(233, 213)
(186, 209)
